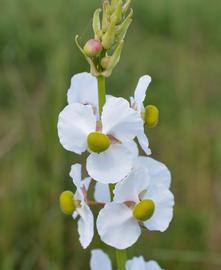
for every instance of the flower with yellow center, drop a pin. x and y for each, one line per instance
(76, 205)
(80, 130)
(138, 199)
(149, 115)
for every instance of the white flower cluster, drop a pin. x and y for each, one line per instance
(133, 190)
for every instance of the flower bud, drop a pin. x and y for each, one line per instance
(151, 116)
(144, 210)
(98, 142)
(105, 61)
(92, 48)
(67, 202)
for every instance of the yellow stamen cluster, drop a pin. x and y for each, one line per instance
(151, 116)
(98, 142)
(144, 210)
(67, 202)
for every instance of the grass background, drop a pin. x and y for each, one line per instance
(179, 44)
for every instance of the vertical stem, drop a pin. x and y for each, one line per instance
(101, 92)
(121, 259)
(121, 255)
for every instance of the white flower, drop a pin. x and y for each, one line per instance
(84, 90)
(86, 219)
(102, 191)
(100, 260)
(137, 200)
(137, 104)
(119, 124)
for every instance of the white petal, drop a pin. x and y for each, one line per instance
(83, 89)
(152, 265)
(130, 188)
(75, 174)
(163, 213)
(144, 143)
(159, 173)
(119, 120)
(140, 91)
(85, 225)
(75, 122)
(102, 193)
(132, 147)
(137, 263)
(110, 166)
(117, 227)
(99, 260)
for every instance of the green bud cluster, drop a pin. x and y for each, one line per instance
(110, 25)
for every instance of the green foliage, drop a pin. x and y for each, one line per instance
(178, 44)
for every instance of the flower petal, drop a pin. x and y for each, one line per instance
(144, 143)
(117, 227)
(130, 188)
(140, 91)
(83, 89)
(99, 260)
(85, 226)
(136, 263)
(110, 166)
(132, 147)
(75, 174)
(163, 213)
(119, 120)
(152, 265)
(102, 193)
(159, 173)
(75, 122)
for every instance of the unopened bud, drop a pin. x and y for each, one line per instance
(98, 142)
(92, 48)
(105, 61)
(144, 210)
(151, 116)
(67, 202)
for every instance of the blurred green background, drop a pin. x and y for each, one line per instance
(179, 44)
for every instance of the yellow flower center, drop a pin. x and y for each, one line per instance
(151, 116)
(144, 210)
(98, 142)
(68, 204)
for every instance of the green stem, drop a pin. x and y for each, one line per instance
(101, 92)
(121, 259)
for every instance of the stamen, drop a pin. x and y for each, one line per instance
(98, 142)
(144, 210)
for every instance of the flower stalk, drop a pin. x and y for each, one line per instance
(121, 256)
(101, 92)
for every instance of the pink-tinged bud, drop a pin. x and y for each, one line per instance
(105, 62)
(93, 47)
